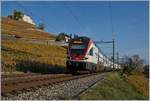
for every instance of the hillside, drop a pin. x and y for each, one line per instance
(23, 56)
(23, 30)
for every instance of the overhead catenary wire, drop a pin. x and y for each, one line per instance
(111, 20)
(82, 26)
(73, 15)
(113, 35)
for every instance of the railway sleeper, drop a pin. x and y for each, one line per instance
(39, 83)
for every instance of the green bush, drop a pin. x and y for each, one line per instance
(146, 70)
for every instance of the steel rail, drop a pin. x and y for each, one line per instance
(8, 86)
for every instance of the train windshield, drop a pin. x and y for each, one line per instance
(78, 46)
(77, 49)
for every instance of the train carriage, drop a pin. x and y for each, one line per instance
(84, 55)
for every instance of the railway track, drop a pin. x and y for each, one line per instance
(36, 81)
(17, 75)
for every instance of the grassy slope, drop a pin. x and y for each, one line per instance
(140, 82)
(23, 29)
(31, 57)
(113, 88)
(20, 56)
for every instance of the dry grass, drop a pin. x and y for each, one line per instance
(140, 82)
(23, 29)
(20, 56)
(36, 49)
(17, 56)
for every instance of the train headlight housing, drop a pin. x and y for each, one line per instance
(68, 57)
(85, 58)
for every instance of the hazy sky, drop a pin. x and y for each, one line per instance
(130, 21)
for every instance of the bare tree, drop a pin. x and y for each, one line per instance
(127, 65)
(133, 63)
(146, 70)
(137, 62)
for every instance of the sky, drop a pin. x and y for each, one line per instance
(126, 21)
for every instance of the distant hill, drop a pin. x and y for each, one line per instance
(23, 30)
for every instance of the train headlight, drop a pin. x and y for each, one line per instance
(68, 57)
(85, 58)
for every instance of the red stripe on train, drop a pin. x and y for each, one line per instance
(81, 56)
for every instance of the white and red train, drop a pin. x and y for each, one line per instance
(84, 55)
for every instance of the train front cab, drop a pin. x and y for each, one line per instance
(74, 66)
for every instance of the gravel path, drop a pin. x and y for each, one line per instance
(64, 90)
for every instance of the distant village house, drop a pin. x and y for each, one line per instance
(27, 19)
(20, 16)
(63, 37)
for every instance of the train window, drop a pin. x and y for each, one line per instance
(78, 46)
(77, 51)
(91, 52)
(96, 55)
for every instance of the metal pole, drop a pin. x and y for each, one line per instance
(113, 42)
(113, 54)
(117, 57)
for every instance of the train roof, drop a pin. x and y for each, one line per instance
(82, 37)
(102, 52)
